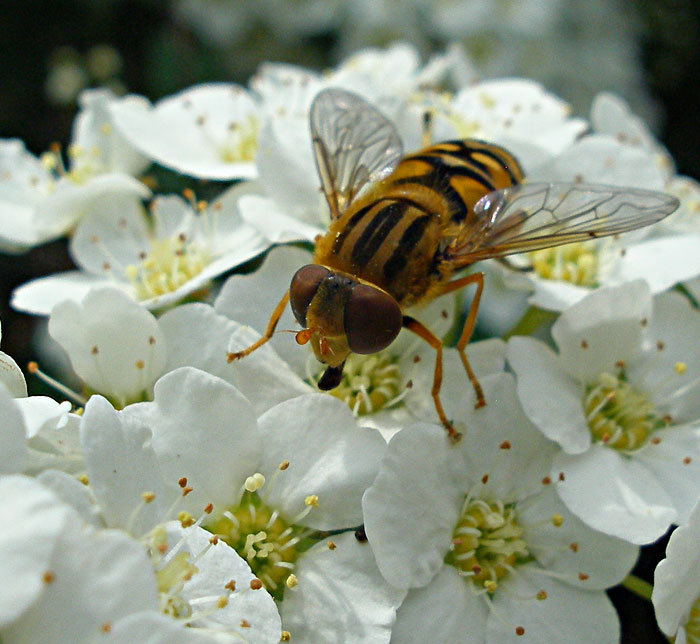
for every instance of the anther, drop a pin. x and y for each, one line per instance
(331, 545)
(291, 581)
(256, 584)
(557, 520)
(285, 636)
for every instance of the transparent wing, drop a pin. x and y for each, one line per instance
(531, 216)
(353, 144)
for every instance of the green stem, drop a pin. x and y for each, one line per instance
(638, 586)
(532, 320)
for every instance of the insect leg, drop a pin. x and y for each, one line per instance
(426, 135)
(269, 331)
(468, 328)
(425, 334)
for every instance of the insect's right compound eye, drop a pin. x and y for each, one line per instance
(304, 285)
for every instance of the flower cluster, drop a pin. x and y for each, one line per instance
(185, 497)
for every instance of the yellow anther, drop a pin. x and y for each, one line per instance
(557, 520)
(680, 367)
(312, 500)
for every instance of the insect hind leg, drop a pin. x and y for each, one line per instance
(427, 130)
(424, 333)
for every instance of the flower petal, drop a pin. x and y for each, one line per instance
(413, 505)
(341, 596)
(613, 494)
(329, 456)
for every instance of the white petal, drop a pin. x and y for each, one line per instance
(111, 236)
(274, 223)
(114, 344)
(329, 456)
(74, 493)
(219, 565)
(42, 413)
(675, 461)
(614, 494)
(99, 577)
(11, 376)
(670, 373)
(501, 443)
(155, 628)
(661, 262)
(70, 201)
(446, 610)
(602, 329)
(121, 466)
(413, 505)
(204, 430)
(33, 519)
(570, 548)
(341, 597)
(95, 137)
(13, 435)
(598, 158)
(206, 119)
(550, 397)
(198, 337)
(566, 615)
(677, 577)
(40, 295)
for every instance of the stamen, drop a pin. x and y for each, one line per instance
(33, 368)
(369, 383)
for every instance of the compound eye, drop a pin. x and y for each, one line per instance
(372, 319)
(304, 285)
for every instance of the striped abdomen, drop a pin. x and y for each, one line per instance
(393, 236)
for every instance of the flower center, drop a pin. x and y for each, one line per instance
(370, 382)
(692, 626)
(617, 414)
(263, 539)
(170, 263)
(576, 263)
(242, 141)
(487, 542)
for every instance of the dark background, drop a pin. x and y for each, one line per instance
(161, 56)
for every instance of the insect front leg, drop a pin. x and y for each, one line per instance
(468, 328)
(425, 334)
(269, 331)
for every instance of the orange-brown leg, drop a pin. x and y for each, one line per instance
(424, 333)
(468, 328)
(269, 331)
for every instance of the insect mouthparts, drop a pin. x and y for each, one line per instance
(331, 378)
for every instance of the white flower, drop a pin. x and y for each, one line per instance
(41, 199)
(270, 485)
(621, 399)
(477, 533)
(65, 581)
(115, 345)
(157, 261)
(677, 583)
(208, 131)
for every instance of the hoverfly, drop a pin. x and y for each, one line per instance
(403, 226)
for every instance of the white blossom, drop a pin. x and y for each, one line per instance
(158, 261)
(42, 199)
(620, 398)
(478, 536)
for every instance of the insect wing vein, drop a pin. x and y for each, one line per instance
(532, 216)
(353, 144)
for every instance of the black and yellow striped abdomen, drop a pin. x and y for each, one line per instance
(394, 234)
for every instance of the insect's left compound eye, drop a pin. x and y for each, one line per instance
(372, 319)
(304, 285)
